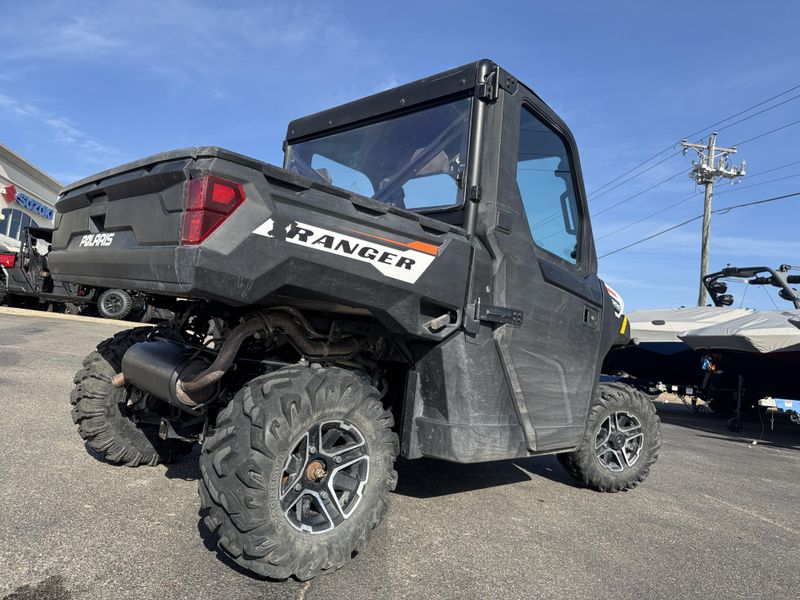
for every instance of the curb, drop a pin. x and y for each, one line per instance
(24, 312)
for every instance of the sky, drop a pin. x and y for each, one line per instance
(85, 86)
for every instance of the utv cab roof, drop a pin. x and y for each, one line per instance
(485, 76)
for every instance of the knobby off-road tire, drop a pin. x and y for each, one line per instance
(70, 308)
(246, 461)
(114, 304)
(147, 313)
(103, 419)
(621, 441)
(3, 289)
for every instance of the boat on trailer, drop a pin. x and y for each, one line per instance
(729, 357)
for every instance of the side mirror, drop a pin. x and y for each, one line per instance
(718, 287)
(725, 300)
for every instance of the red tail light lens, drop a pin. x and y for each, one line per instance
(209, 201)
(8, 260)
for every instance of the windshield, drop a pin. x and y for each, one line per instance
(412, 161)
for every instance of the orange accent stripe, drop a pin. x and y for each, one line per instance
(416, 245)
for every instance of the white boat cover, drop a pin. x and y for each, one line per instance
(666, 324)
(761, 331)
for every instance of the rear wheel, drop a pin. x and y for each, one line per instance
(103, 417)
(3, 289)
(621, 441)
(297, 472)
(70, 308)
(114, 304)
(147, 313)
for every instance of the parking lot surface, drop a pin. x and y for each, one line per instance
(716, 519)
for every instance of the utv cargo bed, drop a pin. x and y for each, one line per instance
(270, 232)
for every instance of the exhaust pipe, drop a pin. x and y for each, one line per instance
(167, 370)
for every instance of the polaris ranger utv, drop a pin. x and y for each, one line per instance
(25, 278)
(418, 279)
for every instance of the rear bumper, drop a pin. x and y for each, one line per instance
(160, 270)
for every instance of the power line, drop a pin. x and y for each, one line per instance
(763, 102)
(699, 131)
(650, 237)
(656, 155)
(760, 173)
(637, 194)
(761, 135)
(723, 211)
(679, 202)
(747, 187)
(748, 117)
(683, 201)
(767, 133)
(726, 209)
(621, 183)
(658, 212)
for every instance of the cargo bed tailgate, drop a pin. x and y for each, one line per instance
(122, 227)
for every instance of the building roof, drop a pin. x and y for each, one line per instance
(29, 168)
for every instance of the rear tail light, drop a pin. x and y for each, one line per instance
(209, 201)
(8, 260)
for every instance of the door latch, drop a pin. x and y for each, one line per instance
(590, 317)
(499, 314)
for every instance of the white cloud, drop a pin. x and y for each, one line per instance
(180, 42)
(61, 130)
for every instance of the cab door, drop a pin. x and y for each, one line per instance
(547, 269)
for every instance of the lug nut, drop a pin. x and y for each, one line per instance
(337, 459)
(324, 495)
(298, 487)
(312, 450)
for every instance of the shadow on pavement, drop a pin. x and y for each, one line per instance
(186, 467)
(777, 433)
(430, 478)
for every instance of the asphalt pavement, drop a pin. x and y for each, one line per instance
(714, 520)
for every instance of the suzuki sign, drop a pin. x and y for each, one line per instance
(34, 206)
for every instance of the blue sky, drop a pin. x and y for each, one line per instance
(87, 85)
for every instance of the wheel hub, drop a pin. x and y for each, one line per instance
(616, 441)
(324, 476)
(316, 471)
(619, 441)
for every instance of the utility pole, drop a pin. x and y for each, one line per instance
(711, 165)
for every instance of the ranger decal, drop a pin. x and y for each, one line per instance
(405, 261)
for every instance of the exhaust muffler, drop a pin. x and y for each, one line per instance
(159, 367)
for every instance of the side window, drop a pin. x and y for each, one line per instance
(544, 178)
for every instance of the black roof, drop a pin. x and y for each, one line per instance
(450, 83)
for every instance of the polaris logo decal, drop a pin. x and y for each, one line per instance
(405, 261)
(98, 239)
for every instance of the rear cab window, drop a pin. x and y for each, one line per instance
(413, 160)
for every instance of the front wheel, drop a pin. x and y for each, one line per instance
(621, 441)
(297, 471)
